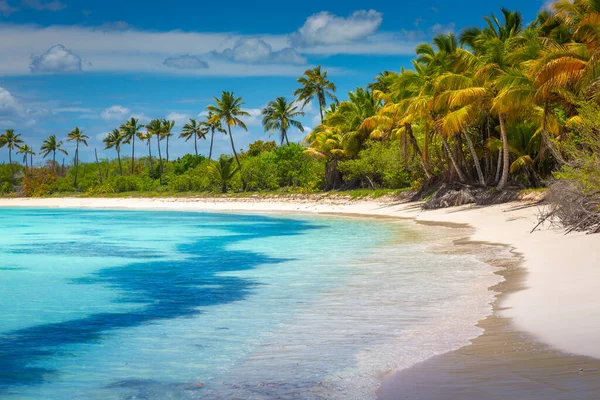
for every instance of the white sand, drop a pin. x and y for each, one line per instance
(561, 306)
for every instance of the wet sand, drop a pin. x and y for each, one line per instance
(502, 363)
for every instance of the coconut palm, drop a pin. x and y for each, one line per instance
(167, 127)
(155, 128)
(11, 141)
(225, 170)
(213, 125)
(26, 150)
(129, 131)
(78, 137)
(114, 139)
(279, 116)
(147, 137)
(51, 145)
(314, 83)
(228, 109)
(196, 130)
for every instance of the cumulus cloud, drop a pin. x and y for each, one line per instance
(9, 106)
(445, 29)
(255, 50)
(40, 5)
(327, 28)
(179, 118)
(185, 62)
(115, 113)
(6, 9)
(58, 59)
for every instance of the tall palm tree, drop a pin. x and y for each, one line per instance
(228, 109)
(147, 137)
(315, 83)
(195, 130)
(213, 125)
(51, 145)
(279, 116)
(11, 141)
(167, 127)
(77, 136)
(114, 139)
(26, 150)
(155, 128)
(129, 131)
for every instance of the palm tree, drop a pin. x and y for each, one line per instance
(213, 125)
(315, 83)
(167, 126)
(115, 139)
(279, 115)
(129, 131)
(228, 109)
(12, 141)
(26, 150)
(195, 130)
(77, 136)
(225, 171)
(147, 137)
(51, 145)
(155, 128)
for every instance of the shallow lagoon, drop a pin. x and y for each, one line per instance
(172, 305)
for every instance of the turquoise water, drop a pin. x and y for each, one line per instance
(102, 304)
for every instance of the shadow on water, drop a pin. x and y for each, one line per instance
(166, 289)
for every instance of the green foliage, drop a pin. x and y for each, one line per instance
(379, 165)
(258, 147)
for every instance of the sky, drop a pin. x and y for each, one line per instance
(95, 63)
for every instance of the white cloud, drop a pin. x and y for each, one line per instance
(58, 59)
(40, 5)
(115, 113)
(9, 106)
(445, 29)
(326, 28)
(6, 9)
(256, 50)
(255, 118)
(179, 118)
(185, 62)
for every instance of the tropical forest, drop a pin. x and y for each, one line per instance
(502, 107)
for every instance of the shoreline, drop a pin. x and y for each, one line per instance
(544, 309)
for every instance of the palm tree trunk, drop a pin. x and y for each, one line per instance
(461, 175)
(168, 149)
(98, 165)
(31, 162)
(120, 166)
(160, 170)
(196, 147)
(408, 128)
(475, 159)
(321, 109)
(498, 167)
(54, 160)
(76, 163)
(284, 132)
(505, 154)
(236, 158)
(12, 170)
(133, 154)
(212, 137)
(150, 155)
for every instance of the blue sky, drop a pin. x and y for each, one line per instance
(95, 63)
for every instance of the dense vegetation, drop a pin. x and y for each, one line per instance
(502, 106)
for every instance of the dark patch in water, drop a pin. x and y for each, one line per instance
(168, 289)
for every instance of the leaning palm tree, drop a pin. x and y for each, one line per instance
(26, 150)
(147, 137)
(315, 83)
(195, 130)
(228, 109)
(12, 141)
(155, 128)
(51, 145)
(129, 131)
(213, 125)
(167, 126)
(77, 136)
(279, 116)
(114, 139)
(224, 171)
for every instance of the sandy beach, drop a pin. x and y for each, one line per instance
(543, 340)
